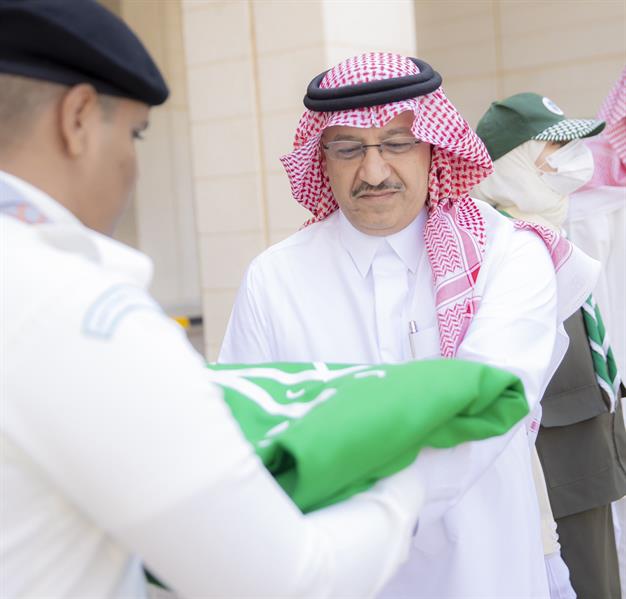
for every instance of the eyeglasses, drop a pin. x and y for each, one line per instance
(353, 150)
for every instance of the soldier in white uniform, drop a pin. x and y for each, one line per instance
(114, 446)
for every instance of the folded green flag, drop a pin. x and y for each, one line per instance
(328, 431)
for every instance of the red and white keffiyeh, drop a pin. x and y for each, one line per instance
(454, 233)
(613, 111)
(609, 148)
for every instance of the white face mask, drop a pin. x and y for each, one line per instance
(574, 167)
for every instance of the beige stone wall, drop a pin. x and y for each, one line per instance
(248, 64)
(161, 220)
(569, 50)
(231, 215)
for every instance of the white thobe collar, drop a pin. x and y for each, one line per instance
(407, 243)
(65, 231)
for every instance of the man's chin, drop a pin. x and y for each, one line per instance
(377, 227)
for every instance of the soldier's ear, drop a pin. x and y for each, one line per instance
(79, 117)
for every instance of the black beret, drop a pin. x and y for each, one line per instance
(77, 41)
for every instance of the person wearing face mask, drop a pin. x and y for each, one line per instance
(596, 223)
(539, 160)
(596, 219)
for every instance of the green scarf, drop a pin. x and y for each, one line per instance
(604, 364)
(328, 431)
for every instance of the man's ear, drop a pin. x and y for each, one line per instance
(79, 112)
(323, 163)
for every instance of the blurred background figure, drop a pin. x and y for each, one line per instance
(596, 222)
(539, 160)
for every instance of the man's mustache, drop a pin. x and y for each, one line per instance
(366, 188)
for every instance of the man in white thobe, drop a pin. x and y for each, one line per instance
(398, 263)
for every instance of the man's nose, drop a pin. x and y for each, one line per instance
(374, 168)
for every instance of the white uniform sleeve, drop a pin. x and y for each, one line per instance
(128, 428)
(514, 329)
(248, 331)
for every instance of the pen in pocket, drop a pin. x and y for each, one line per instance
(412, 332)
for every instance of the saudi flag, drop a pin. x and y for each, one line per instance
(328, 431)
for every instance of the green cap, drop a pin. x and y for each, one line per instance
(521, 117)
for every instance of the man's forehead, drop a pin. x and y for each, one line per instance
(399, 124)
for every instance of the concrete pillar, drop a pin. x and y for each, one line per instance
(162, 220)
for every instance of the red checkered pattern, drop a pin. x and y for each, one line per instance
(609, 148)
(613, 111)
(454, 234)
(560, 249)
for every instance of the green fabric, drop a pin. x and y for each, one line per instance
(519, 118)
(328, 431)
(601, 352)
